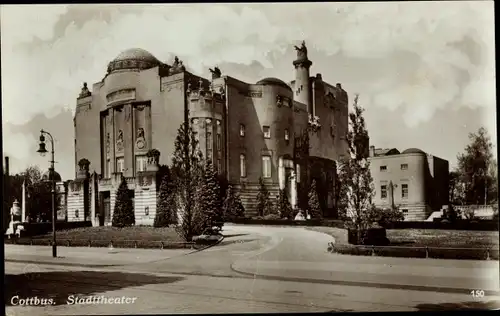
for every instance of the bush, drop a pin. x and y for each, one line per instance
(271, 217)
(208, 199)
(264, 204)
(313, 204)
(166, 202)
(285, 210)
(123, 215)
(232, 206)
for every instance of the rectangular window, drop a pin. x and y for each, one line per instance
(242, 130)
(383, 191)
(404, 166)
(209, 141)
(405, 211)
(108, 168)
(287, 135)
(266, 166)
(267, 131)
(298, 173)
(243, 166)
(404, 191)
(219, 141)
(140, 163)
(383, 168)
(120, 164)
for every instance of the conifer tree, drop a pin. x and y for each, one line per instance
(283, 204)
(264, 204)
(313, 204)
(165, 208)
(123, 214)
(209, 198)
(232, 206)
(186, 171)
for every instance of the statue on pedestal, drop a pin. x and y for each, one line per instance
(15, 214)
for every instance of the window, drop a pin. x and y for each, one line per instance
(266, 166)
(404, 191)
(267, 131)
(298, 173)
(120, 164)
(404, 211)
(146, 211)
(243, 166)
(140, 163)
(383, 191)
(108, 168)
(242, 130)
(287, 135)
(219, 141)
(404, 166)
(383, 168)
(209, 141)
(77, 213)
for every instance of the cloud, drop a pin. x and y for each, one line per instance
(45, 61)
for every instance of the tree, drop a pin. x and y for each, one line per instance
(208, 199)
(264, 203)
(284, 207)
(187, 171)
(474, 167)
(232, 206)
(314, 207)
(166, 201)
(123, 214)
(354, 171)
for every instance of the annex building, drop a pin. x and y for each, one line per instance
(412, 180)
(127, 123)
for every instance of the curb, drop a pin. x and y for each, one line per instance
(408, 252)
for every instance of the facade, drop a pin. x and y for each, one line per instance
(412, 180)
(247, 130)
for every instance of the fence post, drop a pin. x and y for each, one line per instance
(69, 243)
(110, 244)
(373, 251)
(90, 243)
(426, 252)
(488, 254)
(135, 244)
(31, 241)
(161, 245)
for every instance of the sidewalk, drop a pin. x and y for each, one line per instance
(405, 276)
(85, 256)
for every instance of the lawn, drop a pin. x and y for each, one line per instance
(107, 233)
(426, 237)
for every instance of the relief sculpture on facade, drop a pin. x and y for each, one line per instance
(141, 140)
(119, 141)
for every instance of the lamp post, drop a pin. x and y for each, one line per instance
(42, 151)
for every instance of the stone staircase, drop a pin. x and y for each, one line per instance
(248, 194)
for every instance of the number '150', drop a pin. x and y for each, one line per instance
(477, 293)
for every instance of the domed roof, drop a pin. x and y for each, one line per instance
(55, 174)
(133, 58)
(413, 151)
(136, 54)
(273, 81)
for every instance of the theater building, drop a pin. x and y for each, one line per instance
(412, 180)
(126, 125)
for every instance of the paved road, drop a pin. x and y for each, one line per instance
(270, 269)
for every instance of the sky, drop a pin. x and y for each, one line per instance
(424, 71)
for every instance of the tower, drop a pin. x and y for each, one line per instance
(302, 90)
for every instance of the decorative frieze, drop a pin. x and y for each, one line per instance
(121, 95)
(140, 139)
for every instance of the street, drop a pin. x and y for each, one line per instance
(255, 269)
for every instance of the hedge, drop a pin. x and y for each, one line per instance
(484, 225)
(416, 252)
(286, 222)
(146, 244)
(36, 229)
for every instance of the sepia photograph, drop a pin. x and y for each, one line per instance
(215, 158)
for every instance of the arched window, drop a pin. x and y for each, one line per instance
(243, 166)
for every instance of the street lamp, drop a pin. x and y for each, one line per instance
(42, 151)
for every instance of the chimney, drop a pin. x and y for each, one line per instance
(372, 151)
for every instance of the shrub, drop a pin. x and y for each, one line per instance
(232, 207)
(264, 204)
(123, 214)
(209, 199)
(284, 207)
(313, 204)
(271, 217)
(166, 202)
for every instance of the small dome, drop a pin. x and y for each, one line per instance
(133, 58)
(273, 81)
(413, 151)
(56, 175)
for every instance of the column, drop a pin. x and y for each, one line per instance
(293, 189)
(93, 195)
(281, 173)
